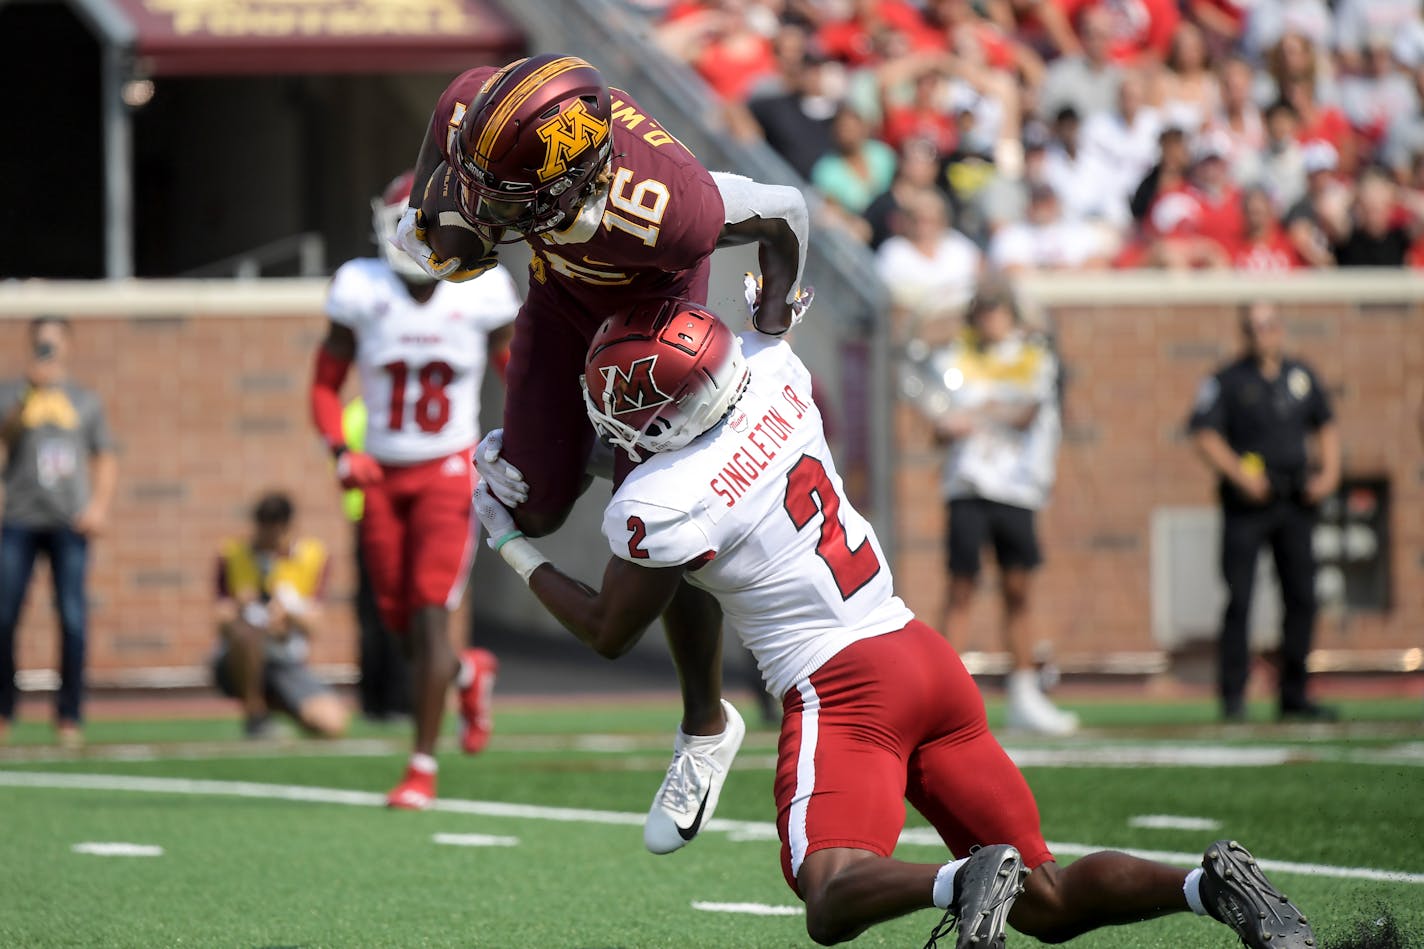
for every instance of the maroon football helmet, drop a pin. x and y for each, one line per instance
(531, 146)
(661, 375)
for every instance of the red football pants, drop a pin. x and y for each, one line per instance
(890, 718)
(419, 534)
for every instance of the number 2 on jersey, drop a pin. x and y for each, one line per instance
(809, 492)
(432, 405)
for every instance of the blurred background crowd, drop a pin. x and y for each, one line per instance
(955, 136)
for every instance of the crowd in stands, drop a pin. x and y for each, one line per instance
(957, 135)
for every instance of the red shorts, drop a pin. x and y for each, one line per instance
(890, 718)
(418, 535)
(547, 434)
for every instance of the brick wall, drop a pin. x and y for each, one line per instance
(1133, 368)
(206, 390)
(209, 411)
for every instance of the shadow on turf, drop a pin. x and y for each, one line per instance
(1379, 932)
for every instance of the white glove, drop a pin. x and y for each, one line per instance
(410, 237)
(751, 289)
(494, 517)
(505, 481)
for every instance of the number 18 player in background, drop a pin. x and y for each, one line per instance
(737, 493)
(420, 349)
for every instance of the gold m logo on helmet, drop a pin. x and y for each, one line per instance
(567, 134)
(633, 390)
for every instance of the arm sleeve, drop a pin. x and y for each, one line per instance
(651, 535)
(743, 199)
(1209, 407)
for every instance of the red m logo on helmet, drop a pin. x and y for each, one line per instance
(633, 390)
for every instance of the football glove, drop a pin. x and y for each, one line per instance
(504, 481)
(494, 517)
(355, 469)
(751, 288)
(410, 237)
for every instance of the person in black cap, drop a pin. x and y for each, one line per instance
(1250, 424)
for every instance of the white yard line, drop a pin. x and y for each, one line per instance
(1064, 754)
(117, 849)
(752, 909)
(475, 840)
(746, 829)
(1173, 822)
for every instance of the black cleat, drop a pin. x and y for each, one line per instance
(1237, 893)
(1309, 712)
(985, 890)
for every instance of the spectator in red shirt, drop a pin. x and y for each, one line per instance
(1038, 24)
(1142, 29)
(1319, 121)
(729, 49)
(980, 42)
(1197, 225)
(1264, 248)
(1223, 21)
(1221, 219)
(874, 30)
(926, 116)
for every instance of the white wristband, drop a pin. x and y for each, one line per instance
(523, 556)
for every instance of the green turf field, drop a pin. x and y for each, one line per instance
(282, 844)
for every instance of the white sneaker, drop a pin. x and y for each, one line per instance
(1031, 710)
(689, 793)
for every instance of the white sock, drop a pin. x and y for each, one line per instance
(425, 764)
(943, 891)
(701, 740)
(1191, 889)
(1021, 681)
(466, 675)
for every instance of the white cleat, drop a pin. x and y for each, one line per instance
(689, 793)
(1030, 710)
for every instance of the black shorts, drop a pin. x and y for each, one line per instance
(287, 683)
(973, 522)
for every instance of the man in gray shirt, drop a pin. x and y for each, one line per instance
(1088, 82)
(59, 480)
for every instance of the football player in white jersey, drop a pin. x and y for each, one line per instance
(421, 348)
(737, 492)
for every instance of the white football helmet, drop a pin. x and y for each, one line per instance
(386, 212)
(659, 376)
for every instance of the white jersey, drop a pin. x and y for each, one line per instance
(997, 461)
(421, 364)
(758, 503)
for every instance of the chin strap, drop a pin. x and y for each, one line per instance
(585, 223)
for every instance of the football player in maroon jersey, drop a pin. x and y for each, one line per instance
(617, 212)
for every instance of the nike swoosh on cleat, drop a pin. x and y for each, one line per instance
(690, 831)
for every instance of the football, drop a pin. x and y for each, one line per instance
(446, 231)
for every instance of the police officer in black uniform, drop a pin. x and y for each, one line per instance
(1250, 424)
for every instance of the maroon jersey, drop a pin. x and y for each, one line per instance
(661, 223)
